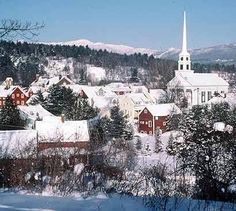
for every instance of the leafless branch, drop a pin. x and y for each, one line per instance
(10, 29)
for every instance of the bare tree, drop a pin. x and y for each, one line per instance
(10, 29)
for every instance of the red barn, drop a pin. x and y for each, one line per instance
(155, 116)
(17, 94)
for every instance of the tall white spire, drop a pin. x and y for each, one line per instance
(184, 44)
(184, 63)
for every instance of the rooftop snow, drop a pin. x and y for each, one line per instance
(163, 109)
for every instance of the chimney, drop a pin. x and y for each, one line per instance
(62, 118)
(8, 82)
(37, 77)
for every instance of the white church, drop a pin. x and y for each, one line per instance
(198, 88)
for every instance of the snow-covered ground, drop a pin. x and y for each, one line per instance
(25, 202)
(16, 201)
(147, 157)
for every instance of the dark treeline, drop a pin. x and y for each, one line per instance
(24, 70)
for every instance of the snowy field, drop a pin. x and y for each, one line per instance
(16, 201)
(13, 201)
(148, 158)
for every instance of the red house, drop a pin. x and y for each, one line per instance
(17, 94)
(154, 117)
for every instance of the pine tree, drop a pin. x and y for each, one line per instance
(38, 99)
(80, 110)
(59, 99)
(10, 116)
(117, 124)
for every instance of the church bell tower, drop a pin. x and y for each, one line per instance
(184, 63)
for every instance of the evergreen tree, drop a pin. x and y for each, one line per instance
(207, 152)
(10, 116)
(38, 99)
(59, 99)
(80, 110)
(117, 124)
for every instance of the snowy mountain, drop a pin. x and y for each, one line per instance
(215, 54)
(121, 49)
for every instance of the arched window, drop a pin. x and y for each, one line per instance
(187, 67)
(181, 67)
(181, 58)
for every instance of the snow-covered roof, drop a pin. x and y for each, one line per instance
(198, 80)
(138, 88)
(44, 81)
(34, 111)
(230, 99)
(163, 109)
(139, 98)
(14, 142)
(53, 129)
(7, 92)
(156, 94)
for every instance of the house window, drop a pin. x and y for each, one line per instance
(156, 117)
(3, 102)
(145, 111)
(141, 122)
(181, 67)
(149, 123)
(18, 102)
(203, 96)
(22, 96)
(208, 95)
(22, 102)
(164, 123)
(17, 95)
(13, 96)
(0, 102)
(150, 132)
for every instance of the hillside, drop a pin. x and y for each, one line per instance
(224, 54)
(23, 61)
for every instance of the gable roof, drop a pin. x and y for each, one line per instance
(7, 92)
(53, 129)
(139, 98)
(163, 109)
(198, 80)
(34, 111)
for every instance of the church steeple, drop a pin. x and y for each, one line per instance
(184, 62)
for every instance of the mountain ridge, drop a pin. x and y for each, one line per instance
(223, 53)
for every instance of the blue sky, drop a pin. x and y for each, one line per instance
(153, 24)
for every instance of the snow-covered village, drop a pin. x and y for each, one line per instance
(94, 126)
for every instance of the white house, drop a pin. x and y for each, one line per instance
(132, 104)
(198, 88)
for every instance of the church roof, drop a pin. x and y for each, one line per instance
(198, 80)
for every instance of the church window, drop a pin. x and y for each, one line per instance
(187, 67)
(181, 58)
(203, 96)
(208, 95)
(181, 67)
(186, 58)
